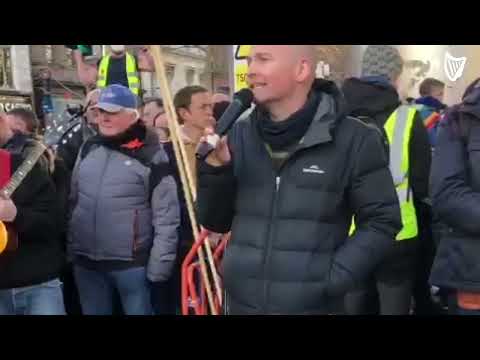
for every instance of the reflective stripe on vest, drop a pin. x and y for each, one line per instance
(131, 70)
(399, 129)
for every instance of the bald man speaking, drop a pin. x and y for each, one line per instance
(287, 181)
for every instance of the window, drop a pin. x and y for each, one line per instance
(69, 58)
(6, 78)
(190, 76)
(49, 53)
(170, 70)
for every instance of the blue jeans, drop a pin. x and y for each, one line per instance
(41, 299)
(96, 291)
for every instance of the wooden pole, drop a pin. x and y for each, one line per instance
(185, 174)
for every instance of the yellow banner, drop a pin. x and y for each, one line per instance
(241, 52)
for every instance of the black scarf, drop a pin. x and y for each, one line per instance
(282, 134)
(128, 142)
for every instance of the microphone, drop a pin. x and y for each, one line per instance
(242, 101)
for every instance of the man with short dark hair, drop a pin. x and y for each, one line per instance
(194, 107)
(430, 106)
(432, 87)
(23, 120)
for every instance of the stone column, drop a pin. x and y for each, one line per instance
(179, 78)
(21, 68)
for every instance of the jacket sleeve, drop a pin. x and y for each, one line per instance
(454, 201)
(216, 197)
(36, 204)
(61, 180)
(166, 220)
(71, 203)
(374, 204)
(420, 159)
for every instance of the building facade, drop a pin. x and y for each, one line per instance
(15, 77)
(185, 64)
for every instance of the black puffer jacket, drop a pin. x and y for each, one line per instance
(290, 252)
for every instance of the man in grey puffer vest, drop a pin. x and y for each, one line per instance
(125, 211)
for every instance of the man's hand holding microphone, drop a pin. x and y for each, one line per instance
(213, 147)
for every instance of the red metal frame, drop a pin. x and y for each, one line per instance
(191, 277)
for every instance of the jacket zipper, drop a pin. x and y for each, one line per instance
(271, 233)
(135, 233)
(270, 241)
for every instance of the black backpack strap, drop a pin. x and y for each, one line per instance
(157, 173)
(85, 149)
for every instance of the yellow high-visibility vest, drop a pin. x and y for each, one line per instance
(132, 73)
(399, 131)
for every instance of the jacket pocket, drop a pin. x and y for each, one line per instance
(340, 280)
(462, 254)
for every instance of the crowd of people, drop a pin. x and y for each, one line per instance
(339, 199)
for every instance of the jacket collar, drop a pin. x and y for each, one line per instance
(330, 111)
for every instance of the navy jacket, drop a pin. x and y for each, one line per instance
(455, 185)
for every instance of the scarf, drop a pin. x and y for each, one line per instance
(128, 142)
(282, 134)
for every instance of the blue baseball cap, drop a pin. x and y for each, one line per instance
(115, 98)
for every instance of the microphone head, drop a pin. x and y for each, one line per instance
(245, 96)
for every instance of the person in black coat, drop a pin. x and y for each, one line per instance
(67, 152)
(374, 98)
(71, 141)
(287, 181)
(29, 270)
(455, 187)
(166, 295)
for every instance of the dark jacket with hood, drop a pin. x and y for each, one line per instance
(290, 252)
(39, 257)
(373, 101)
(456, 197)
